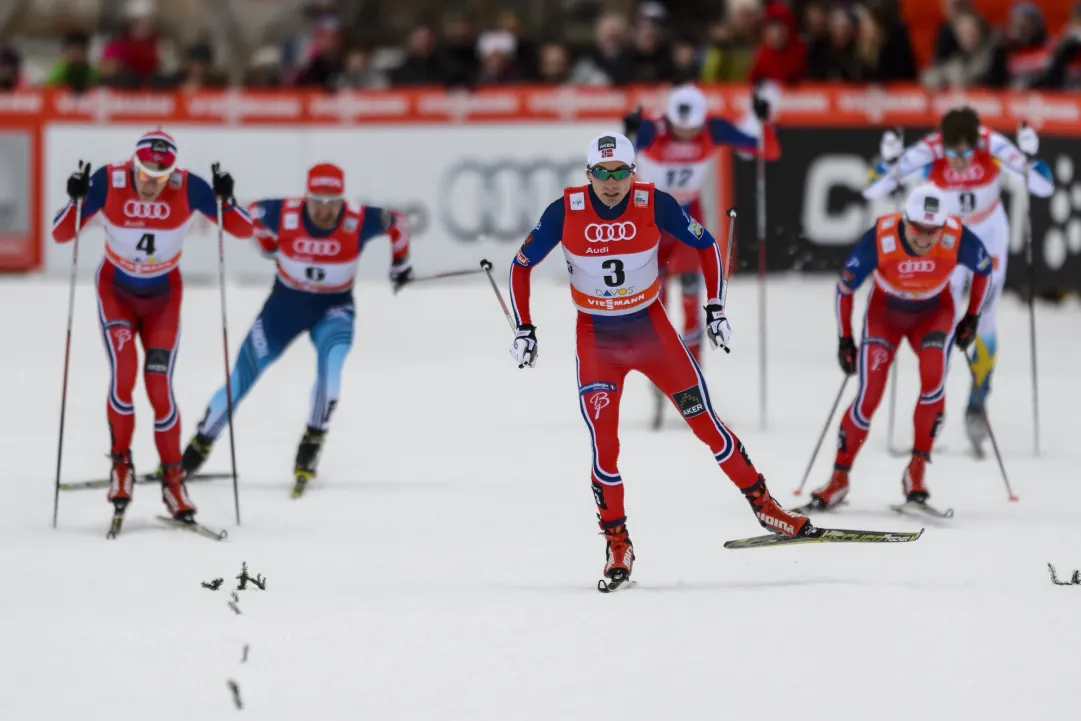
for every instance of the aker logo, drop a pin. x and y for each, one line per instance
(931, 205)
(934, 339)
(597, 387)
(157, 360)
(598, 496)
(783, 526)
(689, 402)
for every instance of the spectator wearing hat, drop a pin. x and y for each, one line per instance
(782, 56)
(1028, 49)
(497, 50)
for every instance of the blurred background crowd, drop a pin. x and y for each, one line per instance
(374, 44)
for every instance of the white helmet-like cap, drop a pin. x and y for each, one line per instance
(607, 147)
(687, 107)
(927, 206)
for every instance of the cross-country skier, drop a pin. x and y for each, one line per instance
(610, 230)
(965, 160)
(146, 206)
(317, 240)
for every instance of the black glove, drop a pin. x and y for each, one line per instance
(223, 184)
(401, 274)
(79, 183)
(761, 106)
(846, 355)
(966, 331)
(632, 123)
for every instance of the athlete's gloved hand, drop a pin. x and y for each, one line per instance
(846, 355)
(1027, 140)
(761, 106)
(718, 329)
(524, 348)
(632, 123)
(892, 146)
(222, 184)
(401, 274)
(79, 182)
(966, 331)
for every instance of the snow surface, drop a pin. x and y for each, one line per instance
(443, 566)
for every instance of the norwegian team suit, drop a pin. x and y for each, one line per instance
(911, 299)
(139, 288)
(611, 254)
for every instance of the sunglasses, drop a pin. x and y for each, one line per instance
(965, 154)
(325, 201)
(924, 229)
(618, 174)
(146, 177)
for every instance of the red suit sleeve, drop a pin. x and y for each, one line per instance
(520, 277)
(712, 272)
(64, 221)
(399, 238)
(236, 221)
(844, 310)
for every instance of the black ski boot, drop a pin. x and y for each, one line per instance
(311, 445)
(196, 453)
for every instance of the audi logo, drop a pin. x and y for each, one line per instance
(605, 232)
(502, 198)
(916, 266)
(146, 211)
(309, 246)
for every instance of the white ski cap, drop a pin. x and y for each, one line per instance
(609, 147)
(927, 206)
(687, 107)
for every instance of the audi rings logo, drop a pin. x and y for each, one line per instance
(605, 232)
(502, 198)
(916, 266)
(309, 246)
(146, 211)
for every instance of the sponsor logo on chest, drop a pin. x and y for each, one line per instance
(140, 210)
(914, 266)
(616, 303)
(686, 152)
(316, 247)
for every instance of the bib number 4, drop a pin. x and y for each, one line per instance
(146, 244)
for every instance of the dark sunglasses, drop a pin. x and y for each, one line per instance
(924, 229)
(618, 174)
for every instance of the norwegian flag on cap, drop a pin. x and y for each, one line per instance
(326, 180)
(156, 153)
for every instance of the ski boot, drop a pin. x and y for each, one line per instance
(175, 494)
(912, 480)
(196, 453)
(121, 481)
(619, 557)
(976, 428)
(770, 514)
(311, 445)
(832, 494)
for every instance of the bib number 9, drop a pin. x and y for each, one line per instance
(617, 277)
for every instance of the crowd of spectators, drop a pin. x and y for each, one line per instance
(786, 41)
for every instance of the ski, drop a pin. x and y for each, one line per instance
(825, 535)
(196, 528)
(301, 484)
(142, 478)
(115, 524)
(611, 585)
(906, 452)
(921, 509)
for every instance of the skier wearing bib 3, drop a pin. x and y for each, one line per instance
(610, 230)
(912, 257)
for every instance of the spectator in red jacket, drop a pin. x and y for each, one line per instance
(782, 56)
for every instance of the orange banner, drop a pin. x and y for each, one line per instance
(832, 106)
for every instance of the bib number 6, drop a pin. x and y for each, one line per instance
(617, 277)
(314, 274)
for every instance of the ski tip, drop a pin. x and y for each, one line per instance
(1014, 499)
(797, 492)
